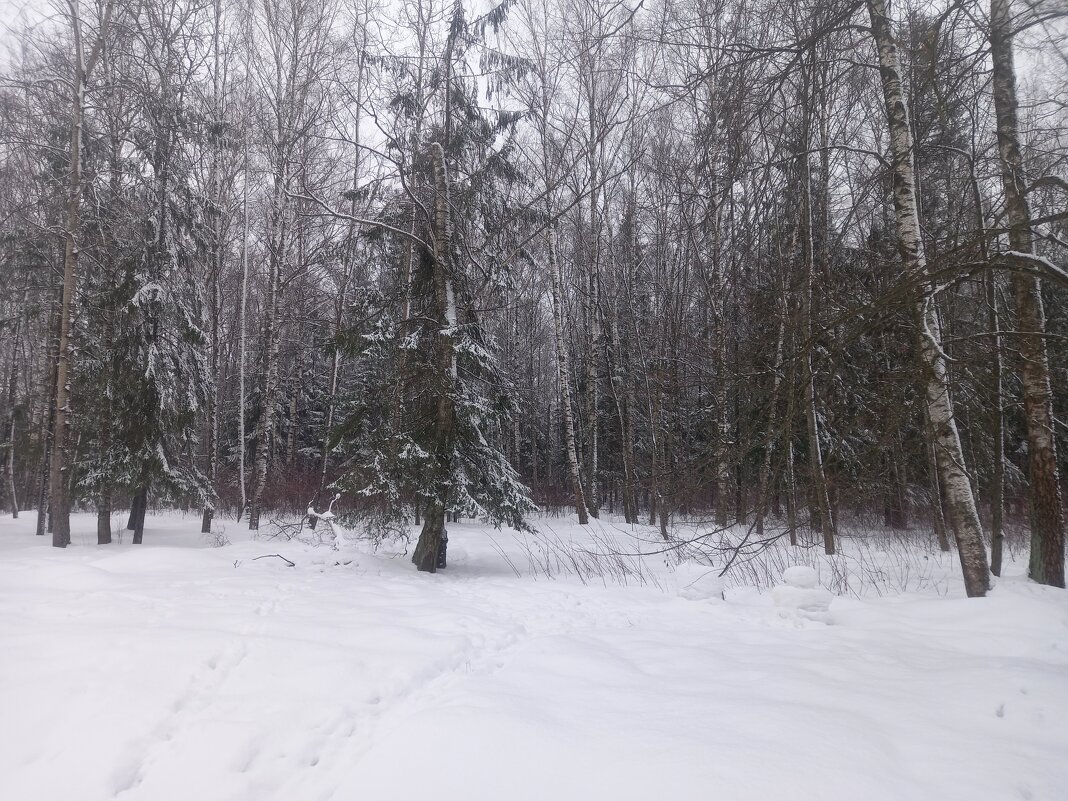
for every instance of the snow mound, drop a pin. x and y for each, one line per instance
(699, 582)
(801, 576)
(801, 596)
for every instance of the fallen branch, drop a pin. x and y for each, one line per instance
(269, 555)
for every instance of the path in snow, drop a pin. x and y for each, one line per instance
(177, 671)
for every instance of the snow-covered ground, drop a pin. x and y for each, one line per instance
(176, 670)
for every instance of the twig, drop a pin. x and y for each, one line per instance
(269, 555)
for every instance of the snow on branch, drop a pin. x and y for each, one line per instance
(1029, 262)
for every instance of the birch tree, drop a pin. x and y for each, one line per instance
(296, 41)
(86, 55)
(960, 501)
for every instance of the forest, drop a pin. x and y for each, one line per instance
(793, 269)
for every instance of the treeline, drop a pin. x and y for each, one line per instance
(780, 264)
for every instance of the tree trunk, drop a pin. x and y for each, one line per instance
(138, 510)
(723, 426)
(291, 433)
(820, 504)
(954, 481)
(658, 453)
(104, 496)
(340, 304)
(938, 518)
(791, 493)
(630, 440)
(620, 380)
(138, 519)
(103, 519)
(59, 501)
(242, 434)
(592, 386)
(563, 374)
(43, 493)
(997, 435)
(9, 420)
(1047, 513)
(997, 402)
(425, 556)
(215, 259)
(898, 492)
(426, 552)
(335, 373)
(769, 436)
(265, 424)
(788, 439)
(213, 392)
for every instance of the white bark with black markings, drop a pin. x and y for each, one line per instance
(955, 485)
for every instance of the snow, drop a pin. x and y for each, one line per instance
(801, 576)
(799, 595)
(175, 670)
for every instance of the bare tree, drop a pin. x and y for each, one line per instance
(1047, 510)
(955, 485)
(84, 64)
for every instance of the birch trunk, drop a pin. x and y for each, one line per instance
(960, 501)
(59, 496)
(213, 408)
(723, 426)
(773, 422)
(104, 499)
(341, 303)
(630, 438)
(49, 420)
(938, 519)
(563, 374)
(820, 505)
(716, 290)
(655, 424)
(789, 423)
(791, 492)
(215, 258)
(266, 422)
(592, 387)
(593, 320)
(58, 499)
(620, 381)
(997, 406)
(624, 407)
(335, 367)
(335, 374)
(242, 434)
(9, 420)
(1047, 513)
(549, 164)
